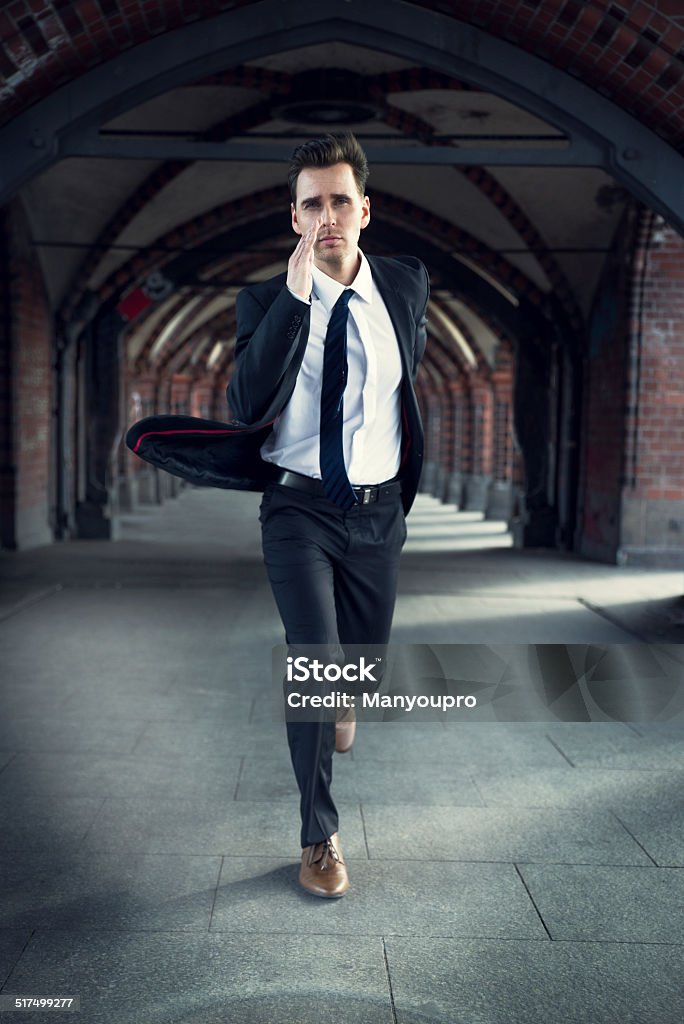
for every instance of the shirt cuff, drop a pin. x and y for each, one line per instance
(298, 297)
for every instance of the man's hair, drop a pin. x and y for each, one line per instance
(327, 151)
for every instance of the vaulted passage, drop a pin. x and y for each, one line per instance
(530, 155)
(536, 184)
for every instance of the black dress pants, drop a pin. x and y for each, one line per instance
(334, 578)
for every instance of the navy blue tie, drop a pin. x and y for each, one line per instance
(333, 472)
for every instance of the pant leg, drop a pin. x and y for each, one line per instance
(334, 577)
(300, 539)
(366, 578)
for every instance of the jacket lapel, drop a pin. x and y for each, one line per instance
(399, 312)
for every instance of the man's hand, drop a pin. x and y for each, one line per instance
(299, 266)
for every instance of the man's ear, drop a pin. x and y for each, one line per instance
(365, 214)
(295, 223)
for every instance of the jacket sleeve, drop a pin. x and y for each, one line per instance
(267, 339)
(421, 327)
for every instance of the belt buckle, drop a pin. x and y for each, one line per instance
(366, 499)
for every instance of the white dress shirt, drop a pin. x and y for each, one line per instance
(371, 431)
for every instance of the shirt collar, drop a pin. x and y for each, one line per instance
(328, 290)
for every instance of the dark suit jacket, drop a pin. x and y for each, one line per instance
(272, 333)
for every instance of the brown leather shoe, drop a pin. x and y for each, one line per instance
(345, 730)
(323, 872)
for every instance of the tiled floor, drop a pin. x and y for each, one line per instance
(501, 873)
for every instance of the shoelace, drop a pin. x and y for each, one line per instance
(328, 853)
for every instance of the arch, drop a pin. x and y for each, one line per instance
(411, 79)
(44, 133)
(259, 218)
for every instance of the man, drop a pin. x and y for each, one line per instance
(332, 518)
(327, 425)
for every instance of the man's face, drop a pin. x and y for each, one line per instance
(331, 194)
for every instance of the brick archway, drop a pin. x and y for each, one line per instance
(558, 64)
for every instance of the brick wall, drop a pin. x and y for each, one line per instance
(202, 398)
(653, 494)
(502, 425)
(7, 468)
(632, 482)
(627, 51)
(603, 420)
(27, 441)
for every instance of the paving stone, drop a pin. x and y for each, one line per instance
(168, 706)
(611, 904)
(12, 942)
(211, 738)
(217, 675)
(71, 732)
(27, 673)
(184, 645)
(386, 897)
(520, 982)
(513, 744)
(93, 891)
(234, 828)
(407, 741)
(15, 596)
(399, 782)
(208, 979)
(661, 831)
(547, 835)
(585, 746)
(495, 731)
(30, 699)
(429, 618)
(588, 732)
(675, 729)
(268, 704)
(274, 779)
(126, 776)
(166, 636)
(58, 675)
(39, 855)
(450, 745)
(370, 781)
(40, 821)
(83, 632)
(599, 788)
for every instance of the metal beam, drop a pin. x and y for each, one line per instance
(523, 321)
(631, 152)
(581, 153)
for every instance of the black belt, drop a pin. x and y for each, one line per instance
(364, 495)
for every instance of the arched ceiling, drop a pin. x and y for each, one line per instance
(629, 49)
(91, 218)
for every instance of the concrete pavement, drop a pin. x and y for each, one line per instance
(516, 873)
